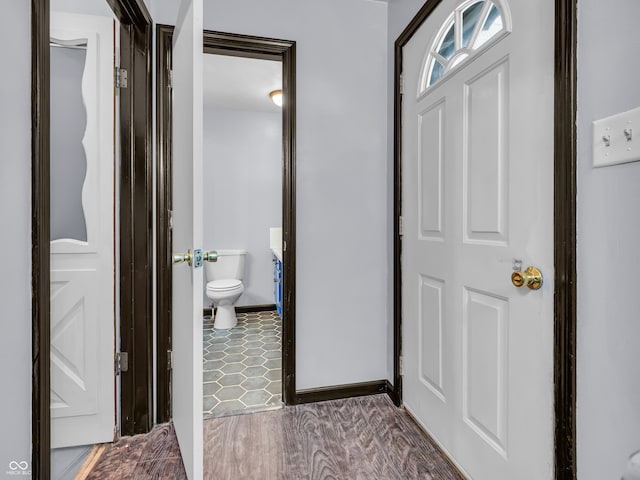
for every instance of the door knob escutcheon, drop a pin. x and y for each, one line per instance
(531, 277)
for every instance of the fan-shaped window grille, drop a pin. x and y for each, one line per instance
(471, 26)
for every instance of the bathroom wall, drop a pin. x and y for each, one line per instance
(342, 192)
(243, 191)
(608, 254)
(15, 237)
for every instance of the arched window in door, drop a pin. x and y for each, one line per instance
(473, 25)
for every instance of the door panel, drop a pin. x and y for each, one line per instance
(431, 155)
(187, 235)
(82, 269)
(484, 374)
(430, 327)
(477, 195)
(484, 163)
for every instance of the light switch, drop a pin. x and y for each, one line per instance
(616, 139)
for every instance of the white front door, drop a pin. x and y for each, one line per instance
(477, 196)
(82, 227)
(187, 235)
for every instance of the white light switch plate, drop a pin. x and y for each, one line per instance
(611, 130)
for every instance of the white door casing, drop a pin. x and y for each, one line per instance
(477, 193)
(187, 234)
(82, 272)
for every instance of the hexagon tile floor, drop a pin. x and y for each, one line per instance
(243, 366)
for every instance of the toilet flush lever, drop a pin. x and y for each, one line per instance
(211, 256)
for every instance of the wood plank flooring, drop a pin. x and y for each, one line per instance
(365, 438)
(155, 455)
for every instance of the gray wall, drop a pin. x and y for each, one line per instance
(608, 252)
(87, 7)
(15, 236)
(342, 287)
(243, 191)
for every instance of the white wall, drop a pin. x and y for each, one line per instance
(342, 192)
(608, 250)
(243, 192)
(15, 236)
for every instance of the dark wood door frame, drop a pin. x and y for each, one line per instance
(565, 139)
(135, 224)
(239, 46)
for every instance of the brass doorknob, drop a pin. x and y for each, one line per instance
(531, 277)
(211, 256)
(182, 257)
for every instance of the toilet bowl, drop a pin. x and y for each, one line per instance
(224, 286)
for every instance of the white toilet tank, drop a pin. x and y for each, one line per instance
(230, 265)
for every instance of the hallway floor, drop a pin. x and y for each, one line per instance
(242, 367)
(364, 438)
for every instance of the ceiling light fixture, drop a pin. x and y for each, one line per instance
(276, 96)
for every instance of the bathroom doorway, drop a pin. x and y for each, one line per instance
(256, 360)
(242, 157)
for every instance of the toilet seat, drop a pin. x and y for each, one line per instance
(224, 285)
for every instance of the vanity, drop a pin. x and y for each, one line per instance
(275, 242)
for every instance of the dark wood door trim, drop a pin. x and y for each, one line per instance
(136, 222)
(136, 152)
(40, 235)
(565, 251)
(243, 46)
(565, 156)
(164, 195)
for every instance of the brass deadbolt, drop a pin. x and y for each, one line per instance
(531, 277)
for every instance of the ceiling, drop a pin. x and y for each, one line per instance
(239, 83)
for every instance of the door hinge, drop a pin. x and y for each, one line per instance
(401, 365)
(121, 77)
(170, 219)
(402, 84)
(170, 79)
(169, 359)
(122, 362)
(401, 225)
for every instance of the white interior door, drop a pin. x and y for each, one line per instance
(187, 234)
(82, 225)
(477, 163)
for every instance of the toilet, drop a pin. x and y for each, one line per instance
(224, 286)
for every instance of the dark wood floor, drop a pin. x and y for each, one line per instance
(155, 455)
(365, 438)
